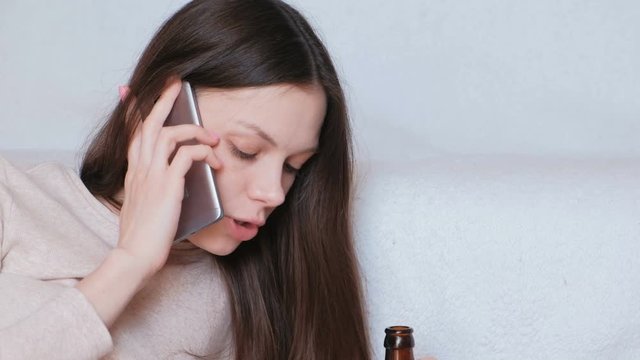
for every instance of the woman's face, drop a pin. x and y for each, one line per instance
(266, 133)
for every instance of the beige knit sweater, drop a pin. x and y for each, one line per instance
(53, 233)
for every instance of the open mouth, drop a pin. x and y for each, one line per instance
(242, 223)
(242, 230)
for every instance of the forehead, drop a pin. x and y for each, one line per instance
(291, 114)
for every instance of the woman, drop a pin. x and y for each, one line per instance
(88, 268)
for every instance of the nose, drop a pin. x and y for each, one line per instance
(267, 187)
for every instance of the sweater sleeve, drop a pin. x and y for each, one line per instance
(43, 320)
(65, 326)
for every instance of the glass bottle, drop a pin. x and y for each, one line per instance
(398, 343)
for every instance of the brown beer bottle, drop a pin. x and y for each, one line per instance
(398, 343)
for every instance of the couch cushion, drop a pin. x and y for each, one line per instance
(504, 257)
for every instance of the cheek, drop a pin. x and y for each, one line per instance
(287, 183)
(230, 183)
(234, 178)
(230, 168)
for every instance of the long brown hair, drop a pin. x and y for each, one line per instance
(295, 290)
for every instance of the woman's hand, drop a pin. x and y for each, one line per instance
(154, 188)
(153, 193)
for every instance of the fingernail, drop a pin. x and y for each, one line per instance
(123, 90)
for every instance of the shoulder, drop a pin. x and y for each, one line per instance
(7, 170)
(49, 190)
(12, 179)
(42, 184)
(16, 173)
(52, 226)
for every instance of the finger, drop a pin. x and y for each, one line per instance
(153, 123)
(133, 153)
(214, 161)
(163, 105)
(171, 136)
(134, 148)
(187, 154)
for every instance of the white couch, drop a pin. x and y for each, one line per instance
(497, 257)
(504, 257)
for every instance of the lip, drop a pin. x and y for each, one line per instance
(241, 232)
(255, 222)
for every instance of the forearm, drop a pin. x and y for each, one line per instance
(113, 284)
(45, 320)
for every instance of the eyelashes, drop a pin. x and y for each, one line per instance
(290, 169)
(248, 157)
(240, 154)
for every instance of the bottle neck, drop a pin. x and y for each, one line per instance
(399, 354)
(399, 343)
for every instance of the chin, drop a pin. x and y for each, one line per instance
(219, 247)
(214, 240)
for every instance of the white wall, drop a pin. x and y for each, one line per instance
(539, 77)
(61, 63)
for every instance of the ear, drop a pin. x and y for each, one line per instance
(123, 90)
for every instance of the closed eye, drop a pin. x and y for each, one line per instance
(240, 154)
(290, 169)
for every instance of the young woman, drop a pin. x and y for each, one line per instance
(88, 269)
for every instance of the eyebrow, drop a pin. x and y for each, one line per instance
(259, 131)
(268, 137)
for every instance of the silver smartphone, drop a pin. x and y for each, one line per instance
(201, 203)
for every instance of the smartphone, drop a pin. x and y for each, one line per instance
(201, 203)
